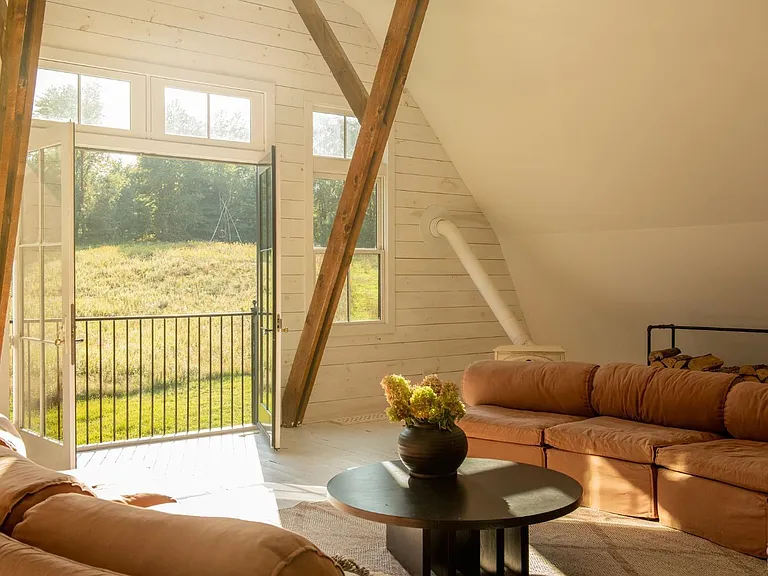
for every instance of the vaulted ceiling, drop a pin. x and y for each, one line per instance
(620, 149)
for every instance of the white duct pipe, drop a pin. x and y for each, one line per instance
(442, 226)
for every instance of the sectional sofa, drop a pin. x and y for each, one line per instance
(689, 449)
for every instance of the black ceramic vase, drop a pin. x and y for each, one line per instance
(429, 452)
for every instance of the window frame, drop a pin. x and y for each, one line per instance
(337, 169)
(157, 104)
(140, 139)
(138, 111)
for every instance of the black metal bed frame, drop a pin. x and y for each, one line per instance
(673, 328)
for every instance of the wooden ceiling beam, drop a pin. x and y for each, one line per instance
(24, 31)
(334, 55)
(3, 18)
(377, 123)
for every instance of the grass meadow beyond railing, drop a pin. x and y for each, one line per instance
(146, 376)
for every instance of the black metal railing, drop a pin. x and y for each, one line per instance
(140, 377)
(674, 329)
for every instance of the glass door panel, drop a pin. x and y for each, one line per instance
(268, 323)
(43, 301)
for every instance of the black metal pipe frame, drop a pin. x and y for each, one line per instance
(673, 329)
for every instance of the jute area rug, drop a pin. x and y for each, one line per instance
(586, 543)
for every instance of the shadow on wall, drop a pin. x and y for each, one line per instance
(594, 293)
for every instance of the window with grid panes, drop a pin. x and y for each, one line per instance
(334, 139)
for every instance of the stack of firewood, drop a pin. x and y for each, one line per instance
(673, 358)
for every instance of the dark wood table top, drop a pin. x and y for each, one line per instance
(486, 494)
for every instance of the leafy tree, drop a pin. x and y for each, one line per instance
(60, 103)
(327, 194)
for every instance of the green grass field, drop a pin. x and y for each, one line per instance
(199, 367)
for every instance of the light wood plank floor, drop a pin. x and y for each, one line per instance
(239, 475)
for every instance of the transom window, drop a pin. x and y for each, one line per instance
(201, 117)
(334, 137)
(83, 99)
(204, 115)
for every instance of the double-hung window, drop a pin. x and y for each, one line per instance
(334, 136)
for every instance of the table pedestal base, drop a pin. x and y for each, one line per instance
(460, 553)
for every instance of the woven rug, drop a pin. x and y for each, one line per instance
(586, 543)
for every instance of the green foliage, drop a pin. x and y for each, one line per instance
(434, 401)
(122, 198)
(327, 193)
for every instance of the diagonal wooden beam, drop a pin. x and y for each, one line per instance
(24, 31)
(3, 17)
(334, 55)
(395, 62)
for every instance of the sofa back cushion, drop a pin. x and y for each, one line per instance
(746, 411)
(557, 387)
(141, 542)
(24, 484)
(17, 559)
(663, 396)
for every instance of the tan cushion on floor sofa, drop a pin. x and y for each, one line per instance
(507, 425)
(663, 396)
(746, 411)
(24, 484)
(558, 387)
(620, 439)
(17, 559)
(742, 463)
(141, 542)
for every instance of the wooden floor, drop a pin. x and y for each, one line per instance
(239, 475)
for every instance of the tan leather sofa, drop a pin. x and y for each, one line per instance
(52, 524)
(689, 449)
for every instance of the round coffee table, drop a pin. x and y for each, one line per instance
(474, 523)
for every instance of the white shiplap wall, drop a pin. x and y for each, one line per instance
(442, 323)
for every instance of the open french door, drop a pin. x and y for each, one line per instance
(268, 324)
(43, 301)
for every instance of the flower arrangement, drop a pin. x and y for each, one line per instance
(431, 402)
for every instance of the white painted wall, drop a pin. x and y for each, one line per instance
(619, 149)
(442, 324)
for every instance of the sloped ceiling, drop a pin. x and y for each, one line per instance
(620, 150)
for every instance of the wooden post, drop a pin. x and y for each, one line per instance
(334, 55)
(24, 30)
(3, 16)
(395, 62)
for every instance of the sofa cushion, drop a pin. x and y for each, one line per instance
(556, 387)
(142, 542)
(513, 426)
(663, 396)
(17, 559)
(10, 437)
(746, 411)
(24, 484)
(742, 463)
(620, 439)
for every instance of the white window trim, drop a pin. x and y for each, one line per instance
(157, 104)
(338, 167)
(138, 112)
(141, 142)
